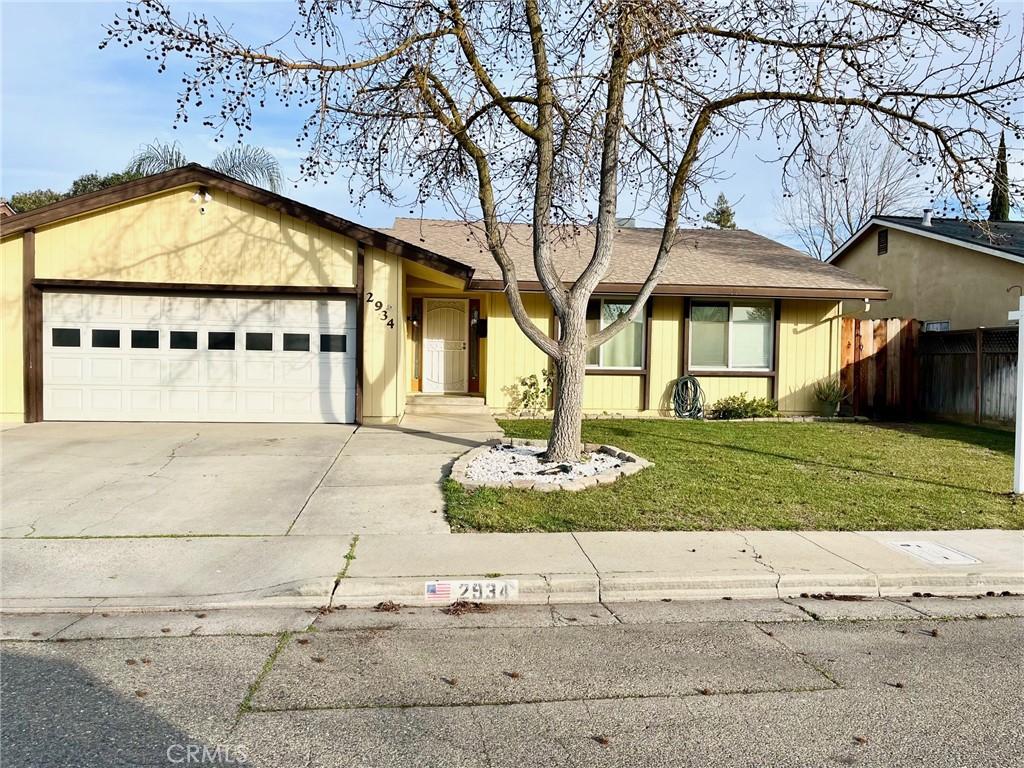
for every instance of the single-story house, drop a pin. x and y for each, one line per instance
(190, 296)
(950, 274)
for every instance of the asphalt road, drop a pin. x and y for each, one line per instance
(920, 683)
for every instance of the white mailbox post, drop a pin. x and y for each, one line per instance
(1018, 443)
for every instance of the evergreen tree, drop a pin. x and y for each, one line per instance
(722, 215)
(999, 207)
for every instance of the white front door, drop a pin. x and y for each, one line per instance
(445, 352)
(110, 357)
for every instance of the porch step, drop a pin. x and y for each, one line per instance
(419, 404)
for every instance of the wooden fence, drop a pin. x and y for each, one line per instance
(878, 369)
(891, 370)
(969, 375)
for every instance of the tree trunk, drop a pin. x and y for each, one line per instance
(566, 441)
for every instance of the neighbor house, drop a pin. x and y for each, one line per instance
(949, 274)
(190, 296)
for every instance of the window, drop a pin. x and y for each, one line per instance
(66, 337)
(259, 342)
(626, 348)
(332, 342)
(145, 339)
(106, 339)
(936, 325)
(883, 241)
(183, 339)
(731, 335)
(296, 342)
(220, 340)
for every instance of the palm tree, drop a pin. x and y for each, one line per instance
(245, 162)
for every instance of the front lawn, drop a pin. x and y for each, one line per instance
(736, 475)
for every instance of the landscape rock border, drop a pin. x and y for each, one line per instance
(631, 464)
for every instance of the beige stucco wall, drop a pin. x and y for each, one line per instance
(932, 280)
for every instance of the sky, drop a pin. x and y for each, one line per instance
(68, 108)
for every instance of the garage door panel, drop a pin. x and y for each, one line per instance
(138, 376)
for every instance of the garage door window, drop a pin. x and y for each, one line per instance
(106, 339)
(67, 337)
(332, 342)
(183, 339)
(296, 342)
(259, 342)
(221, 340)
(145, 339)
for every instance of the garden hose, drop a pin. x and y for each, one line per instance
(688, 398)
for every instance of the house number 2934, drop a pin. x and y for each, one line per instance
(382, 310)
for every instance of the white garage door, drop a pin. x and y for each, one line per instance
(186, 358)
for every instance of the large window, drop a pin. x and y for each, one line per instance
(726, 335)
(626, 348)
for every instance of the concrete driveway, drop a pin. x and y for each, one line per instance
(146, 479)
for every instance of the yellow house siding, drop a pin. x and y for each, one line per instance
(612, 394)
(666, 351)
(932, 280)
(808, 351)
(717, 387)
(384, 386)
(12, 388)
(513, 355)
(165, 239)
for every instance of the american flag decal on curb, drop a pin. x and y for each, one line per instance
(439, 590)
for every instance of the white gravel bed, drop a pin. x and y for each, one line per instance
(504, 463)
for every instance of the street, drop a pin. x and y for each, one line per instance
(806, 682)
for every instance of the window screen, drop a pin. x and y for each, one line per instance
(66, 337)
(145, 339)
(626, 348)
(709, 335)
(296, 342)
(106, 338)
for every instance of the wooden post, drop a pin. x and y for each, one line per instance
(360, 323)
(32, 330)
(1018, 441)
(977, 374)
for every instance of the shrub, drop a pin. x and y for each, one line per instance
(530, 394)
(830, 392)
(742, 407)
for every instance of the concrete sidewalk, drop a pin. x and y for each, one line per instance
(133, 574)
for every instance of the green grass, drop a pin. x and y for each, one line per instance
(783, 476)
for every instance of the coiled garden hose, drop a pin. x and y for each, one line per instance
(688, 398)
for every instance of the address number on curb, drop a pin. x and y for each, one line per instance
(475, 589)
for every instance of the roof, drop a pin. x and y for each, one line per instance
(704, 261)
(1004, 239)
(200, 175)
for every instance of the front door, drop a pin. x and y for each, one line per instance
(445, 352)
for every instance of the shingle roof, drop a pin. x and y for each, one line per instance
(704, 260)
(1007, 236)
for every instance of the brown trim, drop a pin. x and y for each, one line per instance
(360, 323)
(685, 365)
(123, 286)
(32, 330)
(197, 174)
(734, 374)
(416, 310)
(616, 372)
(474, 347)
(645, 400)
(776, 334)
(724, 291)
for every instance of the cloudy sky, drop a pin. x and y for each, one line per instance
(68, 108)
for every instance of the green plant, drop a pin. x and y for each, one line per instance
(831, 392)
(529, 396)
(742, 406)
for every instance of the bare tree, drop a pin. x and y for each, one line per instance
(841, 186)
(547, 112)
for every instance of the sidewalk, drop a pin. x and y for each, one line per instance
(140, 574)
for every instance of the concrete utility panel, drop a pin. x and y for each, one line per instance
(933, 553)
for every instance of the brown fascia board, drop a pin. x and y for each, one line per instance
(197, 174)
(532, 286)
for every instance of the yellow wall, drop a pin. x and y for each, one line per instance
(717, 387)
(512, 355)
(808, 351)
(384, 379)
(932, 280)
(12, 390)
(165, 239)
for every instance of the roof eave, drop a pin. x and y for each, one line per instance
(671, 289)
